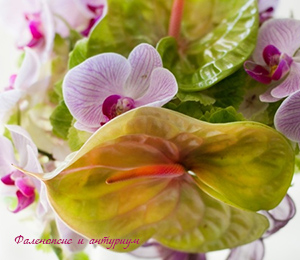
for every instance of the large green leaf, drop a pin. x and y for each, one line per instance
(216, 37)
(161, 165)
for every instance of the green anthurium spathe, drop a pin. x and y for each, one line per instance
(156, 173)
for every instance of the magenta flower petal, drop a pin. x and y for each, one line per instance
(23, 201)
(143, 59)
(163, 87)
(257, 72)
(87, 86)
(290, 85)
(7, 180)
(271, 55)
(282, 33)
(287, 117)
(282, 69)
(25, 187)
(252, 251)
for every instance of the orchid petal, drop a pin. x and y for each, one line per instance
(29, 71)
(280, 216)
(8, 100)
(264, 5)
(86, 86)
(25, 187)
(21, 140)
(287, 117)
(270, 53)
(143, 59)
(7, 180)
(267, 97)
(282, 33)
(7, 156)
(163, 87)
(257, 72)
(23, 202)
(252, 251)
(65, 231)
(282, 69)
(290, 85)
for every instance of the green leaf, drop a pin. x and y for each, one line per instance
(196, 96)
(230, 91)
(167, 48)
(79, 54)
(81, 256)
(191, 183)
(221, 35)
(222, 115)
(61, 120)
(77, 138)
(129, 23)
(189, 108)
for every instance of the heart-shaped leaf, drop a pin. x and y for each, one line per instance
(147, 174)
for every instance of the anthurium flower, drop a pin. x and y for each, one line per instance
(108, 85)
(275, 58)
(190, 185)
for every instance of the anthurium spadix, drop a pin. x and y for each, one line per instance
(191, 185)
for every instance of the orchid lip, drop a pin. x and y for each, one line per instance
(115, 105)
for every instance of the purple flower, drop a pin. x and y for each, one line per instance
(155, 250)
(108, 85)
(275, 59)
(23, 186)
(80, 15)
(266, 9)
(28, 82)
(31, 23)
(287, 117)
(278, 218)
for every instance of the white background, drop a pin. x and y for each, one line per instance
(283, 245)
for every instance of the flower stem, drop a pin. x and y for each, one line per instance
(176, 18)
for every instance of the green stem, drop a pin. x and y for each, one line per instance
(176, 18)
(50, 156)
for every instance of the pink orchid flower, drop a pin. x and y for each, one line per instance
(25, 187)
(278, 218)
(29, 81)
(107, 85)
(80, 15)
(266, 9)
(30, 22)
(287, 117)
(276, 60)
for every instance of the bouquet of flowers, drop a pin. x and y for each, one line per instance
(163, 128)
